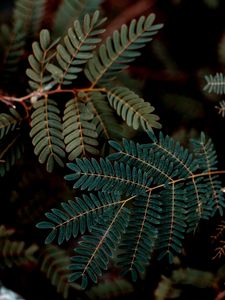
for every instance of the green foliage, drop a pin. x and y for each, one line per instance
(133, 109)
(119, 50)
(13, 252)
(53, 74)
(14, 40)
(107, 125)
(54, 264)
(138, 202)
(11, 148)
(165, 189)
(46, 133)
(70, 10)
(38, 61)
(79, 132)
(77, 49)
(30, 13)
(171, 288)
(110, 288)
(215, 84)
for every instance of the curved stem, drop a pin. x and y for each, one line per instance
(37, 94)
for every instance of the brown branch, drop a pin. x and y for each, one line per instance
(8, 100)
(220, 296)
(133, 11)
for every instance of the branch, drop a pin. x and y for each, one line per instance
(220, 296)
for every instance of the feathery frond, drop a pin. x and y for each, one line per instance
(42, 53)
(76, 217)
(118, 51)
(79, 132)
(9, 123)
(14, 252)
(11, 148)
(221, 108)
(111, 287)
(46, 133)
(55, 265)
(133, 109)
(71, 10)
(166, 197)
(107, 126)
(30, 13)
(207, 160)
(141, 235)
(173, 221)
(215, 84)
(94, 250)
(185, 166)
(107, 176)
(14, 48)
(78, 48)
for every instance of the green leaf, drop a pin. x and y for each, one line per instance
(79, 133)
(45, 39)
(54, 264)
(39, 62)
(46, 133)
(78, 216)
(215, 84)
(77, 49)
(95, 251)
(133, 109)
(118, 51)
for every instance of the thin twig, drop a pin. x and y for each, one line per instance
(37, 94)
(220, 296)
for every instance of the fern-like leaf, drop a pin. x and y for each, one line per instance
(46, 133)
(164, 191)
(107, 126)
(79, 133)
(76, 217)
(111, 288)
(155, 163)
(173, 221)
(9, 123)
(117, 52)
(40, 79)
(207, 160)
(133, 109)
(77, 49)
(215, 84)
(30, 13)
(69, 10)
(107, 176)
(93, 252)
(221, 108)
(11, 148)
(141, 235)
(185, 166)
(14, 252)
(14, 44)
(55, 265)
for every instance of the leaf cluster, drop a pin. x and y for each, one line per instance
(141, 199)
(74, 104)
